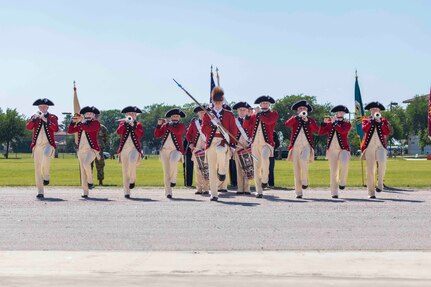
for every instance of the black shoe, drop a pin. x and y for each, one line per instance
(264, 185)
(198, 192)
(132, 185)
(222, 190)
(378, 189)
(239, 192)
(299, 196)
(206, 192)
(173, 184)
(247, 193)
(40, 196)
(304, 186)
(127, 196)
(214, 198)
(342, 187)
(221, 177)
(90, 186)
(335, 196)
(259, 195)
(169, 196)
(372, 197)
(100, 182)
(45, 182)
(84, 196)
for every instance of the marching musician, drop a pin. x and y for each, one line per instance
(301, 147)
(44, 125)
(129, 151)
(262, 124)
(373, 146)
(172, 149)
(87, 128)
(243, 137)
(222, 185)
(218, 130)
(337, 147)
(196, 140)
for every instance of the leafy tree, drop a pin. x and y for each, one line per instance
(416, 115)
(12, 127)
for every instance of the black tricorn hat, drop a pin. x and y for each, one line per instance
(340, 108)
(198, 108)
(375, 105)
(175, 111)
(264, 99)
(44, 101)
(227, 107)
(89, 109)
(302, 103)
(241, 105)
(131, 109)
(217, 94)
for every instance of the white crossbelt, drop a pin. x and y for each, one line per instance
(241, 130)
(199, 127)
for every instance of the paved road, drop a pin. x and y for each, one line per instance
(398, 220)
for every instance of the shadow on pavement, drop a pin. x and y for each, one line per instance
(52, 199)
(325, 200)
(249, 204)
(142, 199)
(278, 199)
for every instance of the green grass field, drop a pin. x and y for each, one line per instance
(19, 171)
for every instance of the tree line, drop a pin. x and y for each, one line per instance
(405, 121)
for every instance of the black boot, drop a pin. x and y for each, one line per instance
(90, 186)
(132, 185)
(342, 187)
(173, 184)
(127, 195)
(40, 196)
(45, 182)
(304, 186)
(221, 177)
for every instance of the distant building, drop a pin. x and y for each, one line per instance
(413, 141)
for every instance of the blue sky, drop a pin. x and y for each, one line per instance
(127, 52)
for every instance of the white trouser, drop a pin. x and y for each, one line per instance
(129, 161)
(42, 159)
(216, 156)
(86, 157)
(300, 155)
(375, 154)
(170, 158)
(338, 168)
(262, 153)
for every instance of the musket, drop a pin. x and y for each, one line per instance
(221, 128)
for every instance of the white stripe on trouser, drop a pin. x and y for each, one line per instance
(216, 156)
(42, 160)
(338, 168)
(373, 155)
(170, 158)
(86, 157)
(242, 181)
(262, 152)
(129, 161)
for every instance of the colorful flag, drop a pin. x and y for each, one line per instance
(429, 116)
(212, 83)
(76, 107)
(359, 109)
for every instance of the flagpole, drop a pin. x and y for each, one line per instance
(360, 110)
(76, 110)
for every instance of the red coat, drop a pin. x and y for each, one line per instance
(136, 132)
(340, 129)
(175, 130)
(248, 130)
(50, 127)
(369, 125)
(268, 120)
(227, 120)
(193, 135)
(90, 129)
(296, 123)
